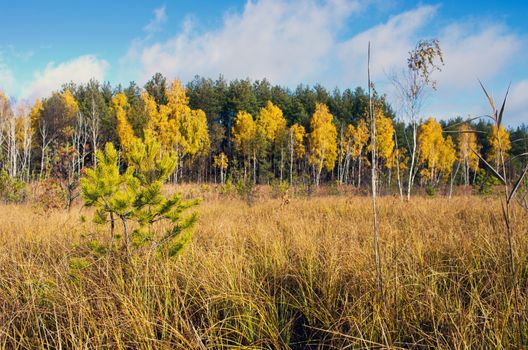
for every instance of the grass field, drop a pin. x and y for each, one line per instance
(272, 276)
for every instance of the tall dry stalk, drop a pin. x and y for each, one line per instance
(499, 170)
(379, 278)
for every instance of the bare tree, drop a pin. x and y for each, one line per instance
(12, 151)
(411, 88)
(94, 129)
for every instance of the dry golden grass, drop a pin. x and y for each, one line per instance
(270, 276)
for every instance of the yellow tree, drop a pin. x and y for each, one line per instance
(384, 140)
(35, 116)
(243, 134)
(271, 131)
(500, 143)
(323, 141)
(355, 139)
(447, 157)
(270, 122)
(124, 129)
(176, 126)
(297, 149)
(297, 140)
(194, 133)
(189, 126)
(436, 154)
(158, 125)
(221, 162)
(467, 146)
(384, 136)
(24, 137)
(71, 111)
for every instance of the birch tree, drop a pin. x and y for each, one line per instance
(323, 141)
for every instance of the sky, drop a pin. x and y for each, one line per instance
(45, 44)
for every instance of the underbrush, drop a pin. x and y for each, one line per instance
(271, 276)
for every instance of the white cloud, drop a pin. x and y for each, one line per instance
(473, 52)
(6, 76)
(160, 17)
(292, 42)
(390, 44)
(79, 70)
(516, 111)
(470, 51)
(285, 41)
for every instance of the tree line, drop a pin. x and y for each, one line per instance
(249, 131)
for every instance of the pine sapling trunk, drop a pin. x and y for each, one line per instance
(112, 230)
(127, 238)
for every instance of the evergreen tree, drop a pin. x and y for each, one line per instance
(135, 197)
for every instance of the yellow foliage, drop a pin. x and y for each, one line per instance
(72, 107)
(221, 161)
(500, 144)
(323, 138)
(399, 156)
(194, 132)
(435, 153)
(467, 143)
(175, 125)
(124, 129)
(243, 133)
(447, 157)
(384, 136)
(298, 133)
(357, 137)
(271, 123)
(177, 98)
(36, 113)
(23, 129)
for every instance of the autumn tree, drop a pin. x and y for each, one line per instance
(353, 141)
(54, 123)
(500, 145)
(384, 140)
(24, 138)
(384, 137)
(466, 148)
(411, 86)
(436, 154)
(177, 126)
(271, 133)
(322, 141)
(243, 134)
(124, 130)
(221, 162)
(296, 143)
(7, 134)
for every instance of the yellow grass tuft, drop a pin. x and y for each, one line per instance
(270, 276)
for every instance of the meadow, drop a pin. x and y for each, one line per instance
(272, 274)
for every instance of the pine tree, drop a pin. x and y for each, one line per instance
(135, 197)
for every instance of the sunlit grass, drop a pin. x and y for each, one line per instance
(269, 276)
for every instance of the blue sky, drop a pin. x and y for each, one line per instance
(45, 44)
